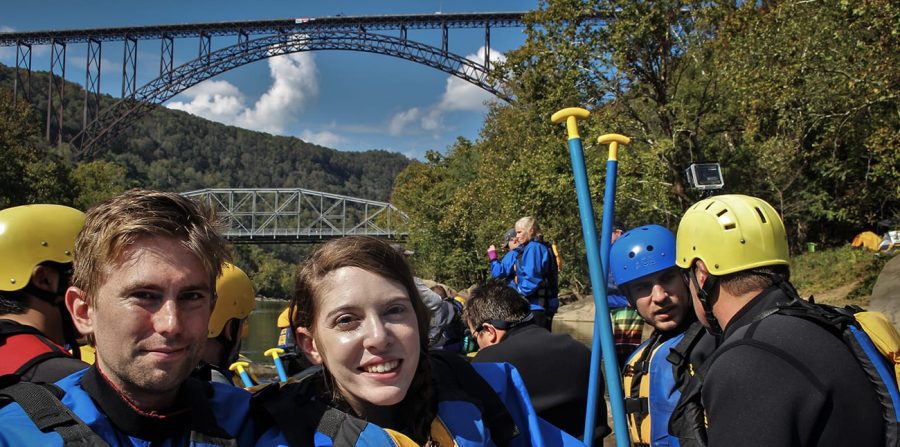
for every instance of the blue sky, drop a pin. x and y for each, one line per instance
(340, 99)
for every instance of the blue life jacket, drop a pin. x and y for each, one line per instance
(229, 407)
(537, 275)
(483, 404)
(651, 391)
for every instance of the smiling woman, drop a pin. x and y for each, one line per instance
(357, 313)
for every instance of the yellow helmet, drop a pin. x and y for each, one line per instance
(731, 233)
(32, 234)
(283, 320)
(236, 299)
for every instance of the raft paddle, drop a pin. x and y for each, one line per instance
(239, 368)
(598, 270)
(275, 353)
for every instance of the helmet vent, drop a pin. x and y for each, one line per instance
(649, 248)
(631, 254)
(730, 226)
(762, 217)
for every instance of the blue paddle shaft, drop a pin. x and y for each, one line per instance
(246, 379)
(279, 365)
(598, 270)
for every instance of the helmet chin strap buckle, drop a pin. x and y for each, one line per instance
(703, 293)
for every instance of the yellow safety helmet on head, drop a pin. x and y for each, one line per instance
(236, 299)
(32, 234)
(731, 233)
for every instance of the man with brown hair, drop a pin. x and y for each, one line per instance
(775, 379)
(143, 288)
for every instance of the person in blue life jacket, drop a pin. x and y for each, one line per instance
(143, 288)
(36, 331)
(536, 273)
(774, 379)
(505, 268)
(359, 316)
(235, 300)
(642, 263)
(502, 324)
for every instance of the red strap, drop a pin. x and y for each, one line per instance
(20, 351)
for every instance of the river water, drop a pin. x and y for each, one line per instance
(263, 330)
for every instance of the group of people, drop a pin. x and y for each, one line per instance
(723, 366)
(139, 279)
(144, 280)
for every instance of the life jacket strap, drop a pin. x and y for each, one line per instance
(49, 414)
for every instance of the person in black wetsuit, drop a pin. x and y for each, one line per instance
(775, 380)
(554, 367)
(36, 245)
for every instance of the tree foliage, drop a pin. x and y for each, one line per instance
(796, 100)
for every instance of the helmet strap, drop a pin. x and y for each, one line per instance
(70, 334)
(703, 293)
(230, 339)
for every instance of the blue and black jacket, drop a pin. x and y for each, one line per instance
(207, 414)
(477, 405)
(537, 275)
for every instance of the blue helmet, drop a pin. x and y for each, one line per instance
(640, 252)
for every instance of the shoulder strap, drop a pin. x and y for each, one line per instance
(679, 355)
(634, 403)
(48, 413)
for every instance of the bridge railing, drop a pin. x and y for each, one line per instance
(296, 215)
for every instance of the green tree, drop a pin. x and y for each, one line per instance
(29, 173)
(97, 181)
(816, 87)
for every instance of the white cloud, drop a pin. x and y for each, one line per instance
(459, 95)
(214, 100)
(294, 83)
(402, 120)
(324, 138)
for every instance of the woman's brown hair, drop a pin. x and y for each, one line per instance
(419, 407)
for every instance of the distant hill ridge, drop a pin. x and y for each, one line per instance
(175, 151)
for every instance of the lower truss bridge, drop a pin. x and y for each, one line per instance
(299, 216)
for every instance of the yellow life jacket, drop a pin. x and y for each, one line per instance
(651, 389)
(638, 421)
(439, 433)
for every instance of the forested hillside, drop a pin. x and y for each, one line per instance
(797, 100)
(175, 151)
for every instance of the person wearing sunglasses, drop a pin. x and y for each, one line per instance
(554, 367)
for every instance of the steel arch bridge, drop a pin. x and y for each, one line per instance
(295, 215)
(278, 37)
(198, 70)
